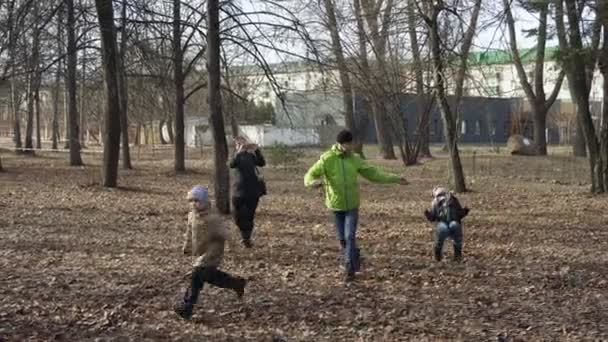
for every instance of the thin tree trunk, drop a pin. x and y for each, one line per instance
(178, 75)
(37, 108)
(29, 127)
(161, 124)
(579, 148)
(216, 119)
(540, 127)
(111, 146)
(124, 90)
(423, 114)
(379, 38)
(346, 87)
(603, 65)
(574, 64)
(75, 158)
(170, 131)
(449, 119)
(81, 111)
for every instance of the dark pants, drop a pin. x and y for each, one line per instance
(213, 276)
(244, 214)
(346, 229)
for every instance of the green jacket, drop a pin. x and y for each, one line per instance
(339, 171)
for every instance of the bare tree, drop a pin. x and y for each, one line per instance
(435, 12)
(576, 67)
(372, 11)
(535, 92)
(216, 119)
(57, 83)
(178, 61)
(345, 83)
(603, 66)
(123, 87)
(424, 112)
(111, 147)
(75, 158)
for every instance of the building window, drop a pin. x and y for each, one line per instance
(478, 127)
(463, 127)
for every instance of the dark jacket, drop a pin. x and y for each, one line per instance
(246, 183)
(446, 209)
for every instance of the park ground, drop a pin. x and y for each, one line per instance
(80, 262)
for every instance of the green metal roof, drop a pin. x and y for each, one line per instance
(490, 57)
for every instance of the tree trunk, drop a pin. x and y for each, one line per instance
(424, 115)
(603, 65)
(124, 91)
(137, 134)
(178, 75)
(57, 87)
(379, 38)
(75, 158)
(346, 86)
(161, 124)
(449, 119)
(13, 87)
(170, 132)
(37, 108)
(574, 64)
(579, 149)
(111, 146)
(81, 111)
(29, 126)
(540, 127)
(216, 119)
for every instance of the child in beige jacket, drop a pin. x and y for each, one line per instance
(205, 238)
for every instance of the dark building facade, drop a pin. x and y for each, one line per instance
(482, 120)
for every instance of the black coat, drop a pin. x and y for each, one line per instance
(247, 183)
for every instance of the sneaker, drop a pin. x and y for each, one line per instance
(240, 289)
(184, 310)
(350, 277)
(247, 243)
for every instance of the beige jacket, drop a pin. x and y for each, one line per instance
(205, 238)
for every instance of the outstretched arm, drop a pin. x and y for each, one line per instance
(375, 175)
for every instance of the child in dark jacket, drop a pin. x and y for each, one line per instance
(448, 213)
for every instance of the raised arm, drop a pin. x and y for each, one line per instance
(259, 158)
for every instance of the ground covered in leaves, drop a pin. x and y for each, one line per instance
(80, 262)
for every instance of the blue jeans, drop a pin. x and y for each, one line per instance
(346, 229)
(444, 231)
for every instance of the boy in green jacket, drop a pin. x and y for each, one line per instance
(337, 170)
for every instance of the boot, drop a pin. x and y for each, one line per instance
(438, 255)
(247, 243)
(457, 254)
(350, 277)
(185, 307)
(226, 281)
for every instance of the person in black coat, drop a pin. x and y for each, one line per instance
(248, 187)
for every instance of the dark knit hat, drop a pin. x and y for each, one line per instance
(344, 136)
